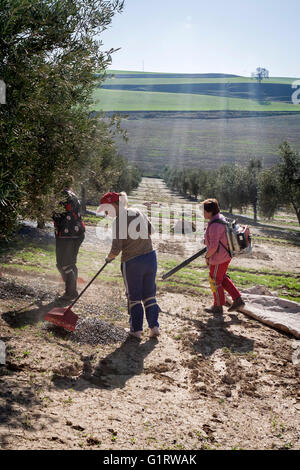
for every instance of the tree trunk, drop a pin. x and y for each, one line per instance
(297, 212)
(255, 211)
(40, 223)
(83, 199)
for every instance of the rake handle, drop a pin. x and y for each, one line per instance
(184, 263)
(82, 292)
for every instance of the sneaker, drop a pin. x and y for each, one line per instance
(236, 304)
(214, 309)
(154, 332)
(135, 334)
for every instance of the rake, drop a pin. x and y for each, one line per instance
(65, 317)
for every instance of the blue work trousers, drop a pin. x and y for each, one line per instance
(139, 278)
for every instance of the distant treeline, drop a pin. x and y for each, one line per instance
(236, 186)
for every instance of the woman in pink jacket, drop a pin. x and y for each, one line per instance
(218, 258)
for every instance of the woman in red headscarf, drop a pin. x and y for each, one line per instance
(132, 237)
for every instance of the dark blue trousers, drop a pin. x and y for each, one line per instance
(139, 278)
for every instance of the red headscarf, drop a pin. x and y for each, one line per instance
(109, 198)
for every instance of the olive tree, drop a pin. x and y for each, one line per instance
(49, 53)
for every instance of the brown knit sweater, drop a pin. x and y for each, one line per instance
(131, 234)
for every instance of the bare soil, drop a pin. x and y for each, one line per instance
(207, 382)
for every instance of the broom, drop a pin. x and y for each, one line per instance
(65, 317)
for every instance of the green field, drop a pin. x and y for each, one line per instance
(152, 79)
(123, 100)
(139, 91)
(191, 120)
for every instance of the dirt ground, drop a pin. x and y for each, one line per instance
(207, 382)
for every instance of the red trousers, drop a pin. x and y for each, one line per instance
(219, 281)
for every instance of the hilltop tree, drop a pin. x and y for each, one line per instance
(260, 74)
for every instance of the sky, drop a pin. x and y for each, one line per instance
(211, 36)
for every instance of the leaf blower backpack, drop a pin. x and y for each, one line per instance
(238, 238)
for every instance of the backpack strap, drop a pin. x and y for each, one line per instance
(218, 221)
(228, 251)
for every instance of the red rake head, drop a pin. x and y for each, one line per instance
(62, 317)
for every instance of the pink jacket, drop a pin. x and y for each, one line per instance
(213, 235)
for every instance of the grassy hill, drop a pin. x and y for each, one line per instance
(130, 100)
(193, 92)
(200, 119)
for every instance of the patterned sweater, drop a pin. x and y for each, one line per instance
(68, 224)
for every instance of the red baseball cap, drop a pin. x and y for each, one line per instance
(109, 198)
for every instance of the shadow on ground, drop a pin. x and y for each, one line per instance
(17, 405)
(214, 335)
(26, 316)
(112, 371)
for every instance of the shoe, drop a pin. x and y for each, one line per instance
(214, 309)
(236, 304)
(67, 297)
(136, 334)
(154, 332)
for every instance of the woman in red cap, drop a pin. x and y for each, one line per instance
(132, 237)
